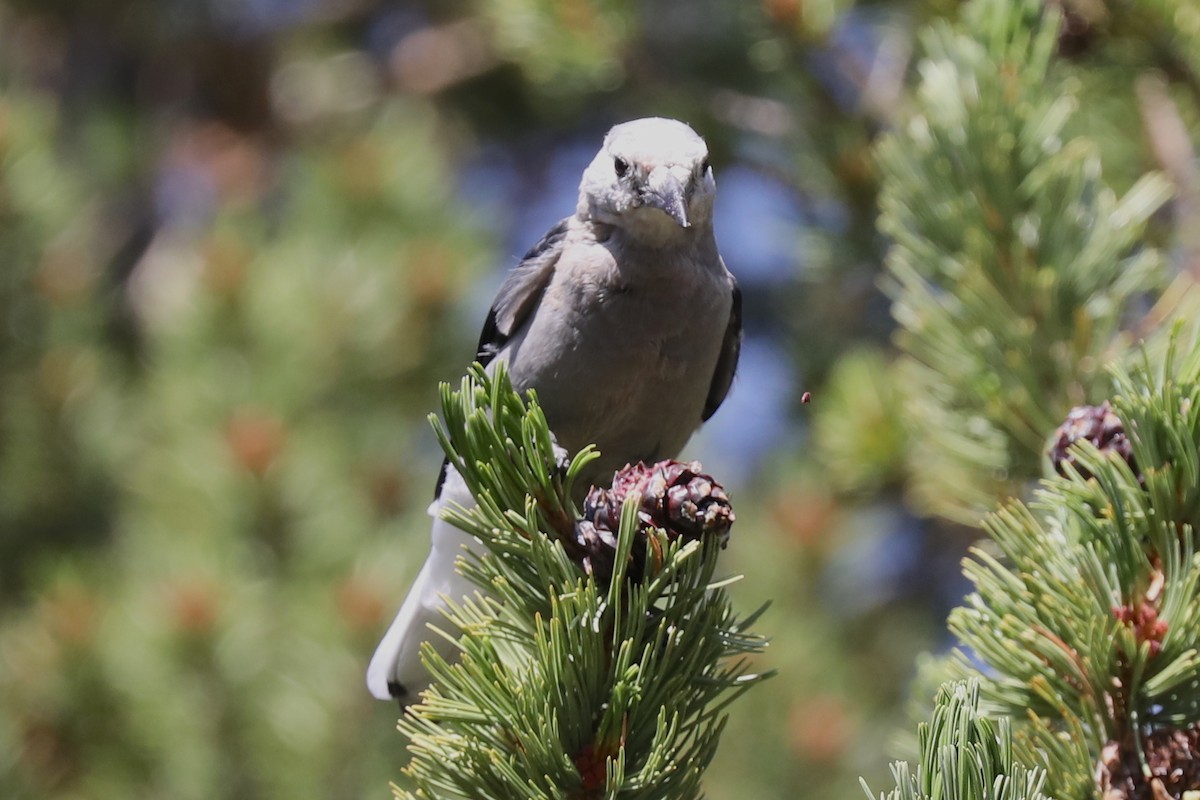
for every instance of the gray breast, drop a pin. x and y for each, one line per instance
(624, 364)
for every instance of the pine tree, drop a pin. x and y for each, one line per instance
(601, 660)
(212, 643)
(1016, 273)
(199, 535)
(1014, 268)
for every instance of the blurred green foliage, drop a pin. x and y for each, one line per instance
(241, 243)
(1014, 273)
(203, 634)
(47, 353)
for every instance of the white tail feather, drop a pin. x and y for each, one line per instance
(395, 670)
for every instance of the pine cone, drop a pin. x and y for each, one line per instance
(1078, 32)
(1100, 426)
(675, 497)
(1172, 756)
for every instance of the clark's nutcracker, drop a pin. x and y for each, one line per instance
(626, 322)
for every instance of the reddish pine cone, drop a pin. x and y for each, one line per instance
(1143, 620)
(1100, 426)
(675, 497)
(1173, 760)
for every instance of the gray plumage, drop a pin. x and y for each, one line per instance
(626, 322)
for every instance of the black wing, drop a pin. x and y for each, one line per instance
(518, 295)
(731, 348)
(520, 292)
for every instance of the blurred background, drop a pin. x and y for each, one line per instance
(241, 241)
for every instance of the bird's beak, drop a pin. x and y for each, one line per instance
(669, 194)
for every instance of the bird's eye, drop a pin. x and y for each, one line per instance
(705, 166)
(621, 166)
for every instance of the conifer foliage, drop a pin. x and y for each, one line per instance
(568, 686)
(1015, 272)
(965, 755)
(1013, 266)
(1089, 626)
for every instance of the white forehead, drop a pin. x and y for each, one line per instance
(655, 140)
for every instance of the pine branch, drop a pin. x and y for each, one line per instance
(1090, 624)
(1012, 266)
(568, 686)
(1015, 272)
(964, 756)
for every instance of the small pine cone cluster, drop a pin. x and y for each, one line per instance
(592, 764)
(1100, 426)
(1173, 761)
(676, 497)
(1144, 621)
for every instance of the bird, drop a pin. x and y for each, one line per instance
(626, 322)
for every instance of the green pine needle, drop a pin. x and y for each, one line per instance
(566, 688)
(964, 756)
(1089, 626)
(1012, 264)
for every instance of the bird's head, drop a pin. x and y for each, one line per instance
(652, 179)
